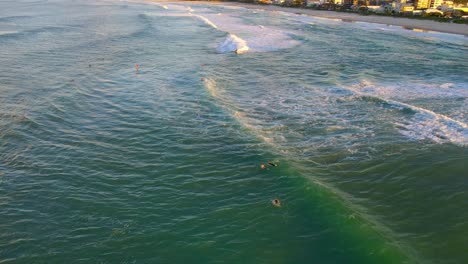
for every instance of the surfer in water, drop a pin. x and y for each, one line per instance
(263, 166)
(272, 164)
(276, 202)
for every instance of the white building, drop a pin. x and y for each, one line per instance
(436, 3)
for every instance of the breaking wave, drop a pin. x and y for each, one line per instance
(8, 33)
(207, 21)
(424, 124)
(240, 37)
(233, 43)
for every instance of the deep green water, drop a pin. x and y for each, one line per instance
(100, 163)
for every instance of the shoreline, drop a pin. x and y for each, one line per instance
(406, 23)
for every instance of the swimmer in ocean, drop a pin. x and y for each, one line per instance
(276, 203)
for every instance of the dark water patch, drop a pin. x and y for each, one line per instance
(407, 182)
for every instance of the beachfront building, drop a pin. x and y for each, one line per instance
(371, 2)
(422, 4)
(403, 6)
(436, 3)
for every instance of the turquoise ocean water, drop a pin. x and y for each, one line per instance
(100, 163)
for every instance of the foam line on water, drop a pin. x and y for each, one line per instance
(400, 90)
(233, 43)
(2, 33)
(162, 6)
(206, 20)
(258, 38)
(345, 200)
(412, 32)
(425, 124)
(217, 93)
(210, 86)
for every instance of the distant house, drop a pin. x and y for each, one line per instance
(371, 2)
(403, 6)
(436, 3)
(422, 4)
(321, 2)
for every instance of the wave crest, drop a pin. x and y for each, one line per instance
(424, 124)
(233, 43)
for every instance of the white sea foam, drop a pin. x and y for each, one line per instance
(158, 4)
(210, 86)
(255, 127)
(8, 33)
(415, 32)
(312, 19)
(403, 90)
(412, 32)
(257, 38)
(424, 124)
(206, 20)
(251, 124)
(171, 6)
(240, 37)
(233, 43)
(446, 85)
(233, 7)
(432, 126)
(427, 124)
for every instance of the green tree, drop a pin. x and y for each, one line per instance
(463, 2)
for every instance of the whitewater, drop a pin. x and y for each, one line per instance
(135, 132)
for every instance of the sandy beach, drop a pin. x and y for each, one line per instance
(411, 24)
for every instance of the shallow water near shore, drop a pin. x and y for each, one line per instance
(103, 163)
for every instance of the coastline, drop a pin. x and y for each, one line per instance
(407, 23)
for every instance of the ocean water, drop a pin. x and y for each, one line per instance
(104, 163)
